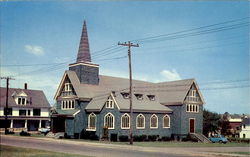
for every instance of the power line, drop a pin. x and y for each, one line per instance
(188, 30)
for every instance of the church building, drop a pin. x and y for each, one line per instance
(98, 104)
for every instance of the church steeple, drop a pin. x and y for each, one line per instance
(87, 72)
(83, 52)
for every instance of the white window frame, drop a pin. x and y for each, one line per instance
(89, 128)
(156, 121)
(104, 120)
(109, 103)
(67, 104)
(21, 100)
(168, 121)
(125, 114)
(137, 121)
(67, 87)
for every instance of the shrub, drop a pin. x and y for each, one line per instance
(189, 138)
(140, 138)
(89, 135)
(166, 138)
(24, 133)
(123, 138)
(152, 137)
(239, 140)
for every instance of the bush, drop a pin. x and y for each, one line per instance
(239, 140)
(24, 133)
(166, 138)
(152, 137)
(89, 135)
(189, 138)
(140, 138)
(123, 138)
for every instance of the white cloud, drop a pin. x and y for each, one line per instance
(34, 49)
(170, 75)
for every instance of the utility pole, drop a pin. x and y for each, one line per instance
(129, 44)
(6, 107)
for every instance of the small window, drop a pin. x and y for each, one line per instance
(140, 121)
(22, 112)
(36, 112)
(166, 121)
(153, 121)
(139, 96)
(125, 95)
(92, 121)
(244, 126)
(109, 103)
(67, 104)
(187, 106)
(7, 111)
(151, 97)
(21, 101)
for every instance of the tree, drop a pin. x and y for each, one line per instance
(211, 122)
(225, 127)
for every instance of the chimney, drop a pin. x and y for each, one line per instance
(25, 85)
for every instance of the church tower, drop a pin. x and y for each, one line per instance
(87, 72)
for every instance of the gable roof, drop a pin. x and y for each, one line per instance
(37, 98)
(168, 93)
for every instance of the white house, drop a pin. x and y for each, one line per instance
(245, 128)
(27, 109)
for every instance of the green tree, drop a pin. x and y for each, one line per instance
(211, 122)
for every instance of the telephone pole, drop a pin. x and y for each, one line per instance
(129, 44)
(6, 107)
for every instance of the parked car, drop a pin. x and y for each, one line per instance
(44, 130)
(218, 138)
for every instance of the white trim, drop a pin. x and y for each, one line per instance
(91, 129)
(128, 123)
(76, 113)
(88, 64)
(189, 125)
(109, 103)
(60, 86)
(143, 122)
(115, 101)
(156, 122)
(69, 104)
(169, 122)
(113, 120)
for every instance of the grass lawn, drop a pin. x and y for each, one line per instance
(242, 153)
(189, 144)
(10, 151)
(169, 143)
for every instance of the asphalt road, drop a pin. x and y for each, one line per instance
(105, 150)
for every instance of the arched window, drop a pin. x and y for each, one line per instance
(125, 121)
(153, 121)
(140, 121)
(109, 121)
(92, 122)
(166, 121)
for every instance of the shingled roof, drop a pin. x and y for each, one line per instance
(36, 98)
(144, 105)
(168, 93)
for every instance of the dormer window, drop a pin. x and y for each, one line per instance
(109, 103)
(67, 87)
(151, 97)
(139, 96)
(21, 101)
(125, 95)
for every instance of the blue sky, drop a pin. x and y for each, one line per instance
(49, 33)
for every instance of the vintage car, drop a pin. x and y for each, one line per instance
(218, 138)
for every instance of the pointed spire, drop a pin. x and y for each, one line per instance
(83, 52)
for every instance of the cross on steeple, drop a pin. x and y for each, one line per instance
(84, 52)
